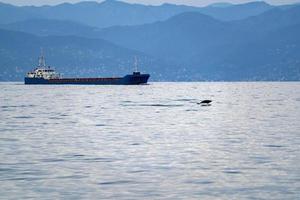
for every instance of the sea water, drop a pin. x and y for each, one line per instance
(150, 142)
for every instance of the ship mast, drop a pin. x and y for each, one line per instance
(135, 64)
(42, 61)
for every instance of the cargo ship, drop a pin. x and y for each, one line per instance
(43, 74)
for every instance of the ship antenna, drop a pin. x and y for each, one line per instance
(42, 62)
(135, 64)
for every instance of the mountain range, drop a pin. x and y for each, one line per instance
(114, 13)
(222, 42)
(19, 51)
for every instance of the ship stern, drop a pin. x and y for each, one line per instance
(136, 79)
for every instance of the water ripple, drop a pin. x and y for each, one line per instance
(150, 142)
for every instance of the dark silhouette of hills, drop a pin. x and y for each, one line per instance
(46, 27)
(211, 49)
(236, 12)
(187, 46)
(10, 13)
(71, 55)
(272, 19)
(113, 12)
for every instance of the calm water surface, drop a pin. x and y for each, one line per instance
(150, 142)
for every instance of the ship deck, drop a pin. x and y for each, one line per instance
(65, 80)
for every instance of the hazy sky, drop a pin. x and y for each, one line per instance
(153, 2)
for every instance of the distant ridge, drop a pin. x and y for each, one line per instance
(249, 49)
(256, 41)
(221, 5)
(72, 55)
(46, 27)
(115, 13)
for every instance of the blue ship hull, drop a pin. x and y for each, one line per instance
(133, 79)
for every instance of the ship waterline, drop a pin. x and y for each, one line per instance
(133, 79)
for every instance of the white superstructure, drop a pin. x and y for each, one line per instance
(42, 71)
